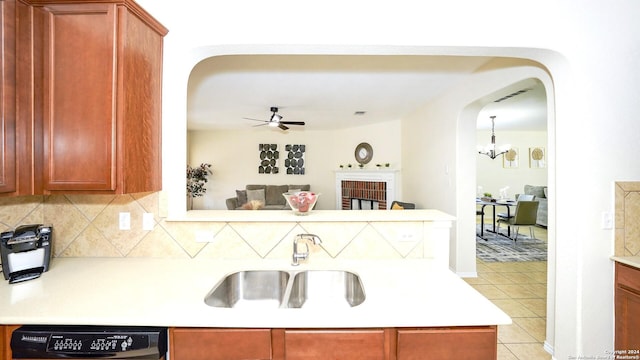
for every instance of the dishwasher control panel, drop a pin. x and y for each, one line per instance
(51, 342)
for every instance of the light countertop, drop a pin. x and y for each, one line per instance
(628, 260)
(429, 215)
(163, 292)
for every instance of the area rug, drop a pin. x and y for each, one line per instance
(498, 248)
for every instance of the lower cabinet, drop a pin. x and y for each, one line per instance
(361, 344)
(219, 344)
(627, 308)
(5, 341)
(467, 343)
(334, 344)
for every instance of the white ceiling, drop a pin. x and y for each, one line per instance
(325, 91)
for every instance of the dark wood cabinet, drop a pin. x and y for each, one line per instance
(448, 343)
(8, 174)
(479, 342)
(219, 344)
(86, 97)
(627, 308)
(362, 344)
(101, 87)
(5, 341)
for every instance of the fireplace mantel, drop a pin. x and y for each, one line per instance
(381, 175)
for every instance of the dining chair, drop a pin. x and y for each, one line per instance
(525, 215)
(525, 197)
(521, 197)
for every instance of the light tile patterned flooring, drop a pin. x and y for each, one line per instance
(520, 290)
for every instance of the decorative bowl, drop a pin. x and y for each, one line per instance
(301, 202)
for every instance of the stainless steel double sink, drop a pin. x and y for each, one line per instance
(271, 289)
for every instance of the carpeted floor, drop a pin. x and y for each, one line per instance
(498, 248)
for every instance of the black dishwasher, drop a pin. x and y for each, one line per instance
(88, 342)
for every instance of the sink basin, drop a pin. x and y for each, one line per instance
(272, 289)
(326, 289)
(250, 289)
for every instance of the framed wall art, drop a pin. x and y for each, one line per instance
(269, 156)
(537, 157)
(295, 163)
(511, 158)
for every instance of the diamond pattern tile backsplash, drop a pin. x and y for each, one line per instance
(627, 230)
(87, 226)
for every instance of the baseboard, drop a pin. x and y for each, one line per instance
(472, 274)
(548, 348)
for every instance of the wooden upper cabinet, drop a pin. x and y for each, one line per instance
(98, 70)
(8, 175)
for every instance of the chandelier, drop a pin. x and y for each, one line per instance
(490, 150)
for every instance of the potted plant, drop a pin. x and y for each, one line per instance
(487, 197)
(196, 178)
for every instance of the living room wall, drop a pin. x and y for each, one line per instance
(493, 176)
(235, 157)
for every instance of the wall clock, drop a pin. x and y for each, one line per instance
(363, 153)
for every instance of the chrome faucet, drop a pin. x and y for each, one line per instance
(297, 255)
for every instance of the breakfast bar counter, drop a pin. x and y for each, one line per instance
(171, 292)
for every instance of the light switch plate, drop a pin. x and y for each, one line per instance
(125, 221)
(607, 220)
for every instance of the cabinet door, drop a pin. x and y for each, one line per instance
(7, 96)
(627, 320)
(79, 83)
(448, 343)
(219, 344)
(335, 344)
(627, 308)
(5, 341)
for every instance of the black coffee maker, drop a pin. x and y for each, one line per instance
(26, 252)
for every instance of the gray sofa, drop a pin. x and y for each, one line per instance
(540, 193)
(269, 195)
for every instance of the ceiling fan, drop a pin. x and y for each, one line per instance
(276, 120)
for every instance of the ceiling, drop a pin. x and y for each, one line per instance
(326, 91)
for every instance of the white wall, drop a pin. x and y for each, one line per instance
(235, 157)
(590, 51)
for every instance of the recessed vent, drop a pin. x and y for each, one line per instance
(519, 92)
(359, 113)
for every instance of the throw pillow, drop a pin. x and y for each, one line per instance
(306, 187)
(274, 193)
(255, 195)
(242, 197)
(253, 205)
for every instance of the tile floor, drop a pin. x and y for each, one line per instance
(520, 290)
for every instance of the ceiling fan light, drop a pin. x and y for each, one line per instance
(273, 123)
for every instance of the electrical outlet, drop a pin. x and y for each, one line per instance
(147, 221)
(406, 236)
(125, 221)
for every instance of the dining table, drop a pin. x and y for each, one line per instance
(494, 202)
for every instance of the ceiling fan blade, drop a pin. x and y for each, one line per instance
(281, 126)
(246, 118)
(292, 122)
(259, 125)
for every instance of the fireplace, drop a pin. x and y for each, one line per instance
(365, 190)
